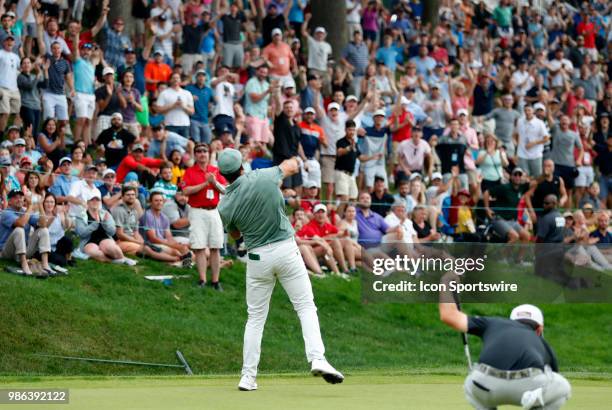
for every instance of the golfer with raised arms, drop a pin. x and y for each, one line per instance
(254, 207)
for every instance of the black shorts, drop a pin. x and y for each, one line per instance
(294, 181)
(568, 174)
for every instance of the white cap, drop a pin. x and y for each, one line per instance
(528, 312)
(414, 176)
(320, 30)
(405, 101)
(94, 194)
(380, 112)
(333, 105)
(319, 207)
(117, 115)
(277, 31)
(64, 159)
(309, 110)
(108, 70)
(539, 106)
(19, 141)
(289, 83)
(156, 12)
(436, 175)
(462, 111)
(107, 172)
(352, 98)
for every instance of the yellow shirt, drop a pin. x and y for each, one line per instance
(465, 223)
(177, 174)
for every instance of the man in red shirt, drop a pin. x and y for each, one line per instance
(203, 183)
(310, 198)
(586, 29)
(143, 166)
(321, 228)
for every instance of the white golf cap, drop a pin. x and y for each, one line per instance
(64, 159)
(117, 115)
(405, 101)
(94, 195)
(414, 176)
(156, 12)
(19, 141)
(462, 111)
(277, 32)
(352, 98)
(108, 70)
(436, 175)
(380, 113)
(309, 110)
(108, 171)
(333, 105)
(289, 83)
(528, 312)
(319, 207)
(320, 30)
(539, 106)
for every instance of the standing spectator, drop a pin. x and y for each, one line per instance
(29, 81)
(85, 98)
(116, 41)
(286, 138)
(319, 52)
(203, 184)
(257, 97)
(274, 19)
(546, 184)
(162, 29)
(193, 33)
(491, 161)
(129, 101)
(347, 153)
(531, 134)
(375, 140)
(53, 35)
(202, 97)
(52, 142)
(355, 58)
(176, 104)
(604, 163)
(96, 229)
(505, 122)
(115, 141)
(59, 73)
(312, 137)
(107, 101)
(156, 72)
(10, 99)
(223, 114)
(279, 57)
(233, 23)
(567, 152)
(8, 30)
(438, 109)
(15, 240)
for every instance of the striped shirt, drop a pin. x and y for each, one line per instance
(57, 73)
(358, 56)
(115, 46)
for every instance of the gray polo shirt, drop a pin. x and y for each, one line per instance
(126, 218)
(563, 143)
(504, 124)
(550, 227)
(174, 213)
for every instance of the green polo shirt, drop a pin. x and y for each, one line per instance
(254, 205)
(507, 199)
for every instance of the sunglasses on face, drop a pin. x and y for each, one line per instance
(201, 150)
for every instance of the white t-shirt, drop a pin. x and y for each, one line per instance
(518, 77)
(224, 96)
(409, 233)
(162, 29)
(318, 53)
(354, 16)
(21, 6)
(333, 132)
(530, 131)
(177, 116)
(81, 190)
(9, 67)
(555, 65)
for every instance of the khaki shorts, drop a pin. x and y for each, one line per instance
(328, 173)
(346, 185)
(10, 101)
(205, 229)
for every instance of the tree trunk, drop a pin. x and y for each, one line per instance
(332, 16)
(430, 13)
(123, 9)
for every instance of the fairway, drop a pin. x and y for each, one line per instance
(282, 392)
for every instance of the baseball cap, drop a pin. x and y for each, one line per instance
(309, 110)
(539, 106)
(13, 127)
(5, 161)
(130, 177)
(117, 115)
(14, 192)
(320, 30)
(230, 161)
(319, 207)
(528, 312)
(289, 83)
(352, 98)
(277, 31)
(333, 105)
(100, 161)
(462, 111)
(9, 37)
(23, 160)
(108, 70)
(137, 147)
(414, 176)
(568, 214)
(518, 169)
(156, 12)
(64, 159)
(94, 195)
(203, 72)
(435, 86)
(108, 172)
(91, 167)
(310, 184)
(159, 51)
(6, 144)
(464, 192)
(380, 113)
(19, 141)
(436, 175)
(129, 50)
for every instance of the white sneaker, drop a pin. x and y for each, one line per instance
(247, 383)
(320, 367)
(129, 262)
(532, 398)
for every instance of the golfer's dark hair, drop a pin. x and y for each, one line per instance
(529, 323)
(233, 176)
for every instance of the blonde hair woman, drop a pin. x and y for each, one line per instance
(491, 161)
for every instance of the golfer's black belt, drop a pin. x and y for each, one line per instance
(508, 374)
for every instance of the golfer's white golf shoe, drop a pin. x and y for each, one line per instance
(320, 367)
(247, 383)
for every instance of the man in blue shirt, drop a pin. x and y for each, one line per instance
(15, 223)
(602, 233)
(85, 98)
(61, 186)
(424, 63)
(388, 54)
(372, 227)
(202, 95)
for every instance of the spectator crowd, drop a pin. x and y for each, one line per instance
(474, 129)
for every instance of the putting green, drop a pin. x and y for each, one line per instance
(279, 392)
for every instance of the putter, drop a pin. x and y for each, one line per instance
(464, 339)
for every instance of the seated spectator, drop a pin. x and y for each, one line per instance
(156, 231)
(63, 182)
(16, 242)
(32, 188)
(52, 141)
(602, 233)
(313, 248)
(177, 211)
(96, 229)
(164, 183)
(143, 166)
(372, 226)
(310, 198)
(584, 252)
(425, 232)
(178, 166)
(60, 235)
(110, 191)
(81, 190)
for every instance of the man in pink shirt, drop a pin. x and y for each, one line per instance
(279, 57)
(473, 145)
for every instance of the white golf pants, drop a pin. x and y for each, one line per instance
(487, 392)
(280, 260)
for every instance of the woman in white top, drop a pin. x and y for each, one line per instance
(32, 188)
(491, 161)
(59, 224)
